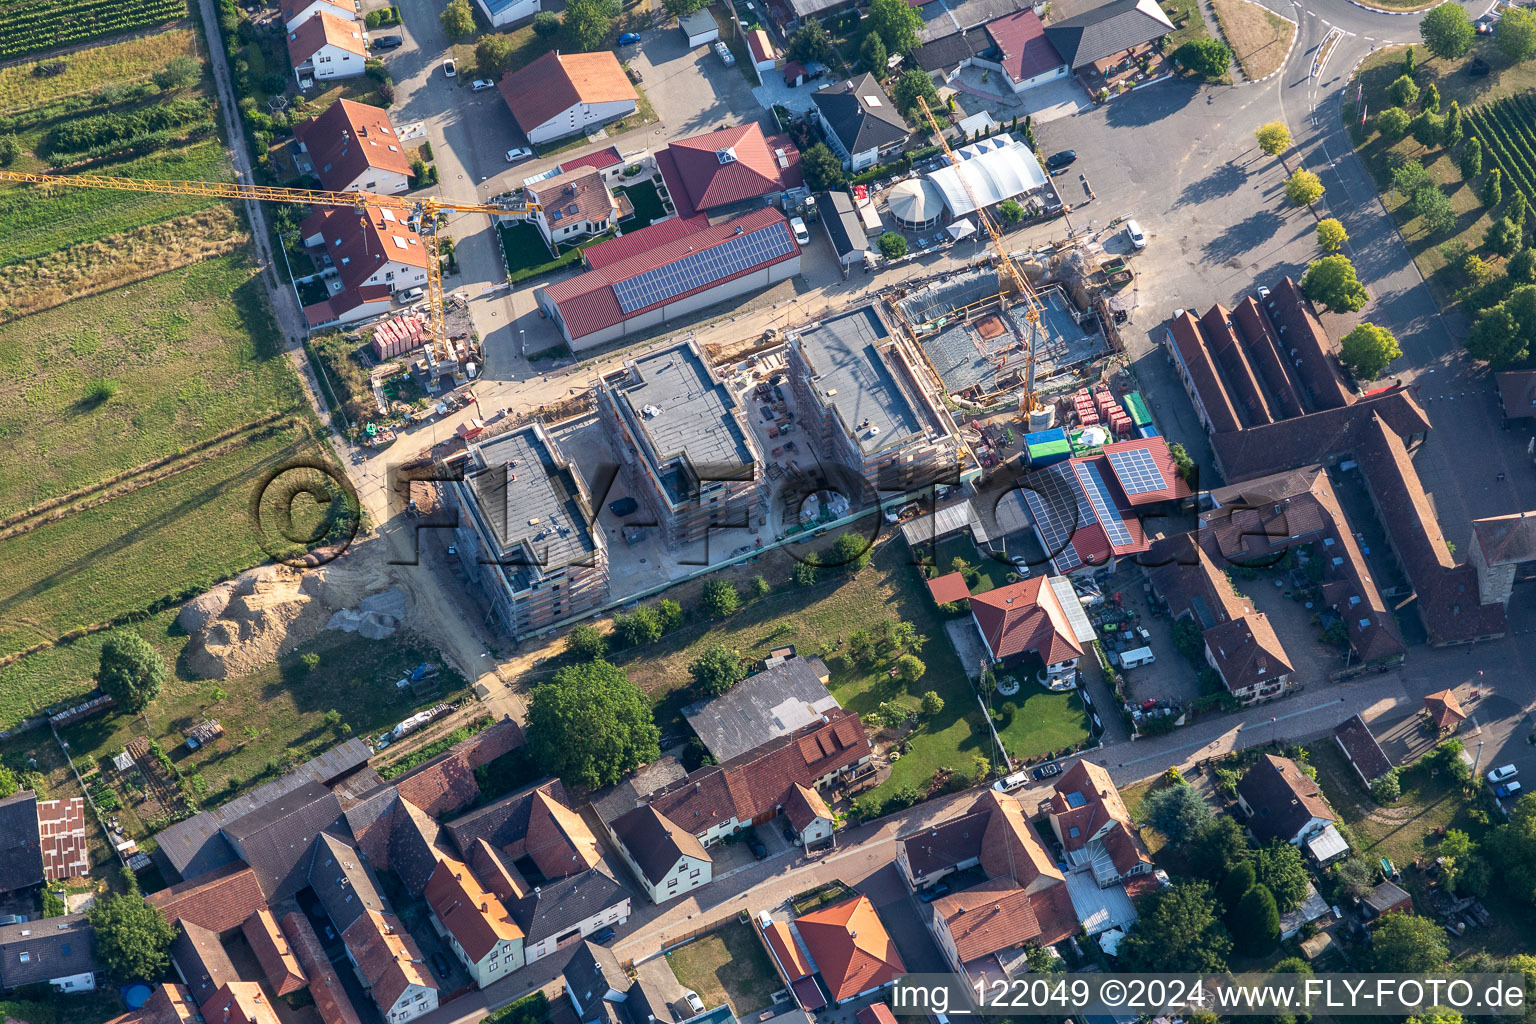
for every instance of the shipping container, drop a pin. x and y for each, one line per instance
(1146, 430)
(1044, 437)
(1049, 452)
(1137, 407)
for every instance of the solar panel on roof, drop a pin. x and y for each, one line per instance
(732, 256)
(1057, 506)
(1103, 507)
(1137, 471)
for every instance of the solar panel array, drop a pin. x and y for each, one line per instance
(1103, 506)
(1059, 508)
(1137, 471)
(734, 255)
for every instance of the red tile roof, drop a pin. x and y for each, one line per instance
(1517, 393)
(999, 915)
(1283, 798)
(556, 82)
(388, 959)
(477, 919)
(787, 950)
(851, 947)
(1304, 333)
(1025, 616)
(1026, 51)
(876, 1013)
(1265, 353)
(293, 8)
(948, 588)
(602, 159)
(1197, 362)
(760, 45)
(61, 834)
(587, 302)
(631, 243)
(1355, 738)
(1085, 797)
(728, 166)
(1247, 651)
(1444, 709)
(1157, 449)
(271, 947)
(575, 195)
(1242, 384)
(219, 900)
(803, 805)
(239, 1002)
(331, 999)
(347, 139)
(360, 242)
(345, 301)
(325, 29)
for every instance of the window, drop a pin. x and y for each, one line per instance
(1074, 832)
(671, 884)
(694, 873)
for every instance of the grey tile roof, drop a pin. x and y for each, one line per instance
(861, 114)
(343, 881)
(21, 855)
(853, 378)
(771, 703)
(503, 822)
(276, 839)
(54, 947)
(533, 505)
(558, 906)
(842, 222)
(1107, 30)
(944, 52)
(655, 842)
(201, 961)
(632, 792)
(591, 973)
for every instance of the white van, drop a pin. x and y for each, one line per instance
(1011, 782)
(1137, 656)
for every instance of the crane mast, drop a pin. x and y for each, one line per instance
(1009, 270)
(424, 208)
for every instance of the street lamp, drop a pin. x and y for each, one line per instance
(522, 342)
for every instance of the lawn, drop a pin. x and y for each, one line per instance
(1259, 38)
(985, 572)
(527, 254)
(89, 70)
(728, 964)
(1045, 722)
(1188, 24)
(646, 200)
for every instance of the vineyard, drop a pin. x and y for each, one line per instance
(1507, 128)
(32, 26)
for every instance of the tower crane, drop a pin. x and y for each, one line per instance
(424, 208)
(1009, 270)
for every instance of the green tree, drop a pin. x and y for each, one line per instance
(10, 149)
(1010, 211)
(1219, 848)
(641, 626)
(1410, 65)
(1493, 188)
(1434, 208)
(1515, 36)
(1518, 207)
(132, 935)
(1452, 129)
(914, 83)
(1409, 177)
(1178, 929)
(911, 668)
(873, 53)
(669, 613)
(1448, 32)
(717, 669)
(1503, 237)
(683, 8)
(1303, 188)
(1428, 129)
(8, 783)
(1178, 812)
(821, 167)
(130, 671)
(586, 642)
(458, 19)
(1429, 99)
(1407, 944)
(1280, 869)
(1393, 123)
(719, 598)
(811, 42)
(1522, 266)
(805, 572)
(1356, 877)
(1237, 883)
(1404, 92)
(760, 587)
(1331, 234)
(1256, 923)
(1456, 847)
(1209, 58)
(589, 21)
(896, 22)
(932, 702)
(493, 54)
(590, 725)
(852, 551)
(1368, 349)
(1274, 137)
(1471, 154)
(179, 72)
(1331, 281)
(892, 246)
(1388, 788)
(546, 24)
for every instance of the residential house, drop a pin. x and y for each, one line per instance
(685, 450)
(354, 148)
(808, 815)
(602, 992)
(679, 276)
(368, 256)
(343, 882)
(501, 13)
(1362, 751)
(1036, 625)
(239, 1002)
(167, 1004)
(666, 858)
(573, 205)
(1282, 802)
(296, 12)
(1104, 33)
(729, 170)
(788, 694)
(21, 854)
(54, 951)
(390, 966)
(331, 999)
(479, 928)
(1024, 56)
(202, 963)
(561, 94)
(279, 963)
(324, 47)
(853, 952)
(525, 524)
(1093, 826)
(61, 837)
(861, 123)
(220, 900)
(1517, 394)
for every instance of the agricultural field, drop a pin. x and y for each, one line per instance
(1507, 128)
(34, 26)
(113, 64)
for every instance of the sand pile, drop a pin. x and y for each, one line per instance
(375, 617)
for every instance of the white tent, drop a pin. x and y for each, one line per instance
(915, 203)
(991, 170)
(961, 229)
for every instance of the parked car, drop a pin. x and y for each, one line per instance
(934, 892)
(520, 153)
(623, 507)
(450, 69)
(1134, 233)
(440, 964)
(1508, 790)
(1503, 774)
(603, 937)
(629, 38)
(1011, 782)
(755, 844)
(411, 294)
(1045, 771)
(482, 84)
(1263, 293)
(388, 43)
(802, 236)
(1056, 161)
(694, 1002)
(330, 934)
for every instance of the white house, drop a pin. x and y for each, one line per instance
(296, 12)
(572, 205)
(366, 248)
(505, 12)
(1025, 57)
(860, 122)
(809, 815)
(1282, 802)
(54, 951)
(479, 928)
(354, 148)
(390, 965)
(562, 94)
(667, 860)
(325, 46)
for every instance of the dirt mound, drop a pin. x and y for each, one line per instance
(243, 624)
